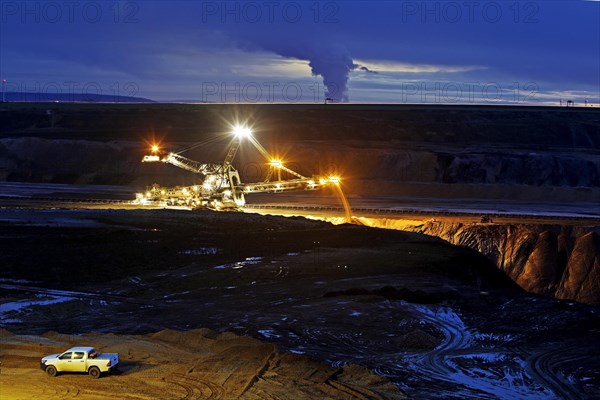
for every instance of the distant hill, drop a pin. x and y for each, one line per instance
(72, 98)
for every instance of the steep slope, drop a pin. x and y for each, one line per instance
(559, 261)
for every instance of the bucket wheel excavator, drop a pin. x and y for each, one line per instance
(221, 187)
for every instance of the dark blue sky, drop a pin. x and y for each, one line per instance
(526, 52)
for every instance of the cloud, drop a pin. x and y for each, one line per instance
(408, 68)
(365, 45)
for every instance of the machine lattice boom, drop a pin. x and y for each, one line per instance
(221, 187)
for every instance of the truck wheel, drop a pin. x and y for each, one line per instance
(94, 372)
(51, 370)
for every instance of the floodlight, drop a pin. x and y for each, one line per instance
(242, 131)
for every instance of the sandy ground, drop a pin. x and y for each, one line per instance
(197, 364)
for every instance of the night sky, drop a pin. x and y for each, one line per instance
(509, 52)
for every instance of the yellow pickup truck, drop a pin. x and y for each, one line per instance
(80, 359)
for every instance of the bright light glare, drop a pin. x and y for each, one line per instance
(240, 202)
(276, 163)
(242, 131)
(334, 179)
(155, 148)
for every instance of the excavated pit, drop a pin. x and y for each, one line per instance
(439, 321)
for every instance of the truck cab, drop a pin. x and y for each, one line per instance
(80, 359)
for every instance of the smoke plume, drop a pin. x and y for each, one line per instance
(334, 66)
(332, 62)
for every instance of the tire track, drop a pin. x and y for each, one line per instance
(59, 391)
(443, 364)
(77, 295)
(546, 367)
(195, 388)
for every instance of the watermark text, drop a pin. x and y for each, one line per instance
(70, 12)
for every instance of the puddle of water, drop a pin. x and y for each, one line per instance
(269, 333)
(8, 280)
(21, 306)
(201, 251)
(241, 264)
